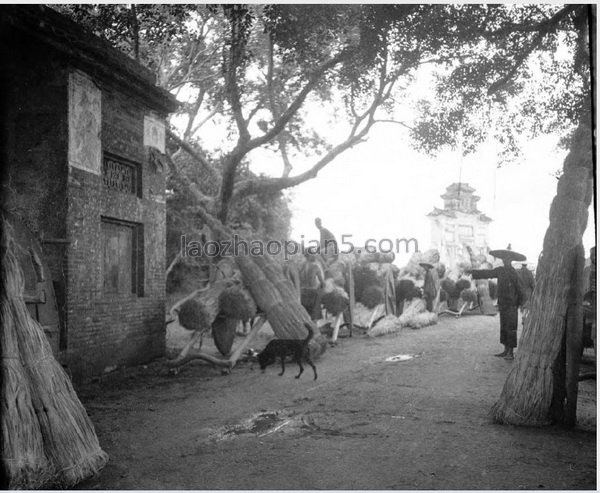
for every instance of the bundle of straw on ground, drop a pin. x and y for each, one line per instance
(69, 440)
(25, 465)
(416, 316)
(390, 324)
(405, 289)
(453, 291)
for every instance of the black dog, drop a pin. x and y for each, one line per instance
(296, 348)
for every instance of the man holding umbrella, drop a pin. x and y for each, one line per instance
(510, 297)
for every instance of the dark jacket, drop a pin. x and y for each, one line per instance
(510, 292)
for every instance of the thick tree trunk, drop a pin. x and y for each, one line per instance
(528, 391)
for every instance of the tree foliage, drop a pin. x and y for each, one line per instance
(258, 72)
(519, 72)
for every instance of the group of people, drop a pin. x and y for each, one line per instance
(309, 280)
(514, 288)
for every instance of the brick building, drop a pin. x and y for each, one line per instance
(82, 141)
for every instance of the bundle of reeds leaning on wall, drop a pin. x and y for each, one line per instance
(47, 438)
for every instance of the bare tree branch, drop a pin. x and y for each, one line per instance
(358, 131)
(193, 114)
(298, 101)
(192, 152)
(396, 122)
(194, 189)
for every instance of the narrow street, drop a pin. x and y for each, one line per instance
(366, 423)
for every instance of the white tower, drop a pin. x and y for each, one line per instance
(459, 224)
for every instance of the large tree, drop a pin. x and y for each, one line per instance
(530, 73)
(259, 72)
(507, 72)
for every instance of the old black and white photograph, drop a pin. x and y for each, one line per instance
(298, 246)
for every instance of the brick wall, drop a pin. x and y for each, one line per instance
(107, 330)
(60, 202)
(35, 138)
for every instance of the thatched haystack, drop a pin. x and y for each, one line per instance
(541, 387)
(42, 407)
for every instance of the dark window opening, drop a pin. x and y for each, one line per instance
(121, 174)
(123, 262)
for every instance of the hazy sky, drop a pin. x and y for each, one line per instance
(384, 189)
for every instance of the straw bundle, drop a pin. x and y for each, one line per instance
(193, 315)
(415, 315)
(364, 277)
(469, 295)
(448, 286)
(25, 465)
(390, 324)
(273, 293)
(527, 396)
(68, 437)
(223, 331)
(235, 302)
(372, 296)
(335, 302)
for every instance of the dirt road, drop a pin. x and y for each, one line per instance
(366, 423)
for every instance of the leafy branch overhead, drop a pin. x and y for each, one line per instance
(524, 72)
(263, 78)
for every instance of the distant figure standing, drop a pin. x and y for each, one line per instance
(329, 246)
(312, 283)
(510, 297)
(431, 286)
(527, 283)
